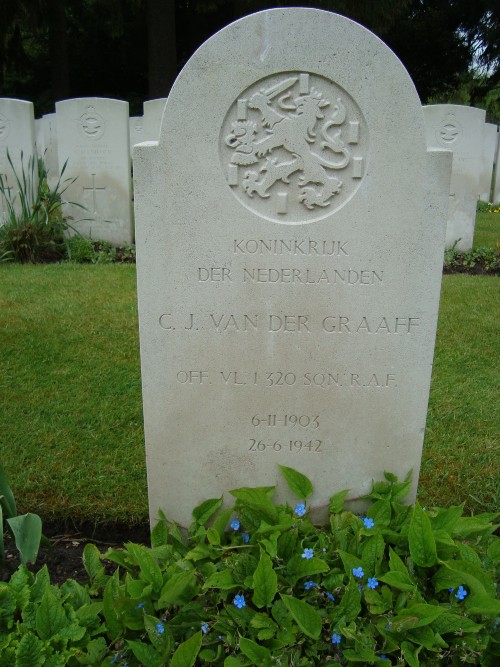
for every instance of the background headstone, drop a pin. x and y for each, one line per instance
(490, 139)
(136, 130)
(290, 235)
(459, 129)
(93, 134)
(17, 136)
(153, 113)
(49, 124)
(496, 186)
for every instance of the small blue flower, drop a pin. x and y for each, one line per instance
(310, 584)
(246, 537)
(461, 594)
(450, 590)
(330, 596)
(160, 628)
(383, 657)
(308, 554)
(204, 628)
(360, 588)
(358, 572)
(336, 639)
(235, 524)
(115, 659)
(239, 601)
(219, 637)
(372, 582)
(368, 523)
(140, 605)
(299, 509)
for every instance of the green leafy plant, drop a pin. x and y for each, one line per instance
(260, 584)
(26, 529)
(33, 227)
(486, 260)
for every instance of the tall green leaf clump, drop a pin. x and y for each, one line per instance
(32, 226)
(260, 584)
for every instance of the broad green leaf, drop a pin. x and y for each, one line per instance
(381, 513)
(6, 497)
(2, 549)
(92, 563)
(395, 562)
(399, 580)
(258, 500)
(350, 561)
(337, 501)
(27, 530)
(299, 567)
(494, 551)
(446, 519)
(29, 652)
(150, 569)
(146, 654)
(416, 616)
(221, 521)
(287, 544)
(470, 575)
(232, 661)
(421, 538)
(350, 604)
(360, 654)
(265, 582)
(186, 653)
(299, 484)
(204, 511)
(410, 653)
(306, 617)
(175, 587)
(222, 580)
(449, 622)
(259, 655)
(372, 554)
(111, 606)
(40, 585)
(50, 616)
(467, 526)
(213, 537)
(159, 534)
(482, 605)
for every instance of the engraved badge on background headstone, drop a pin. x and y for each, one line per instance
(293, 147)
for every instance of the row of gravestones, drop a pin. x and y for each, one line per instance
(95, 135)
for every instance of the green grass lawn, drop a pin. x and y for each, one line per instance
(71, 423)
(487, 231)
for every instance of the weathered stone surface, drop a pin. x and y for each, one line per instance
(290, 233)
(459, 129)
(17, 137)
(93, 135)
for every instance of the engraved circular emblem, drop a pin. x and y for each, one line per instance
(293, 147)
(449, 132)
(92, 124)
(4, 127)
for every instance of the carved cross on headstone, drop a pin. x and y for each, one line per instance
(94, 189)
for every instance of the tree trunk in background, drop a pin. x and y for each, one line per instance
(58, 49)
(162, 57)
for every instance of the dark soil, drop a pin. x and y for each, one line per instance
(63, 552)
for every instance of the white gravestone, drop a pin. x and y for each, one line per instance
(136, 131)
(459, 129)
(17, 136)
(93, 135)
(50, 157)
(496, 184)
(490, 139)
(290, 235)
(153, 113)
